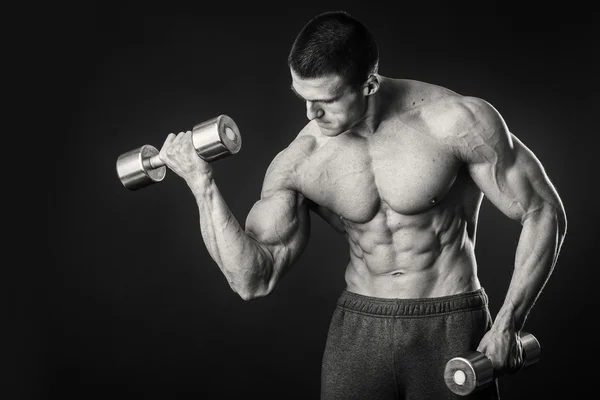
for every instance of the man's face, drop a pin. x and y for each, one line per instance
(334, 105)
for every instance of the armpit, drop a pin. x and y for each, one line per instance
(328, 216)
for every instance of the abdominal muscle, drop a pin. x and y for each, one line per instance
(411, 256)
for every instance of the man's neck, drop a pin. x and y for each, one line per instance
(375, 107)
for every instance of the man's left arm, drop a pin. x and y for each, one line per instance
(514, 180)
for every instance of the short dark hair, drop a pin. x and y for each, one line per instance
(334, 43)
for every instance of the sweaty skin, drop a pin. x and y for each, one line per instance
(403, 183)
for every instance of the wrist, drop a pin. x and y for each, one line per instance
(504, 321)
(199, 181)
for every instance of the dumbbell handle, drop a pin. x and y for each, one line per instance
(154, 162)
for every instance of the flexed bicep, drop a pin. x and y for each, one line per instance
(280, 224)
(280, 221)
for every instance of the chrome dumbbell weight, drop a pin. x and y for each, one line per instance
(213, 139)
(471, 371)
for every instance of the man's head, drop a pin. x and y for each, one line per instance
(333, 63)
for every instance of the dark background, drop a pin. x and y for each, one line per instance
(130, 305)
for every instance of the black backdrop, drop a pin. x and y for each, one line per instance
(131, 305)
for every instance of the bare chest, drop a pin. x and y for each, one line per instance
(352, 176)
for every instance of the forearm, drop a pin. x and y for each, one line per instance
(537, 251)
(246, 265)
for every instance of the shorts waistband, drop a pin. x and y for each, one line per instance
(413, 307)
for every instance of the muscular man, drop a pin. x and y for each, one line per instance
(399, 167)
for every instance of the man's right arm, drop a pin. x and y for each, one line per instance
(277, 230)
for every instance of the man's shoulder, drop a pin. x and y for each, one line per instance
(451, 114)
(421, 96)
(305, 143)
(285, 162)
(466, 125)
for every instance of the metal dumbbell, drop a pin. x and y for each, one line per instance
(213, 139)
(473, 370)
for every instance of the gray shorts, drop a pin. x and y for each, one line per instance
(398, 348)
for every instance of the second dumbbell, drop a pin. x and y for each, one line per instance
(213, 139)
(473, 370)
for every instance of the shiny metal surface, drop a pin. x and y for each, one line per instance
(134, 170)
(463, 375)
(531, 349)
(216, 138)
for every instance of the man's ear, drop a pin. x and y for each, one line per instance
(371, 86)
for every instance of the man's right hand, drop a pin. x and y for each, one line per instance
(179, 155)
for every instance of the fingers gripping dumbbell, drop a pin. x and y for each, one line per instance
(213, 139)
(472, 370)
